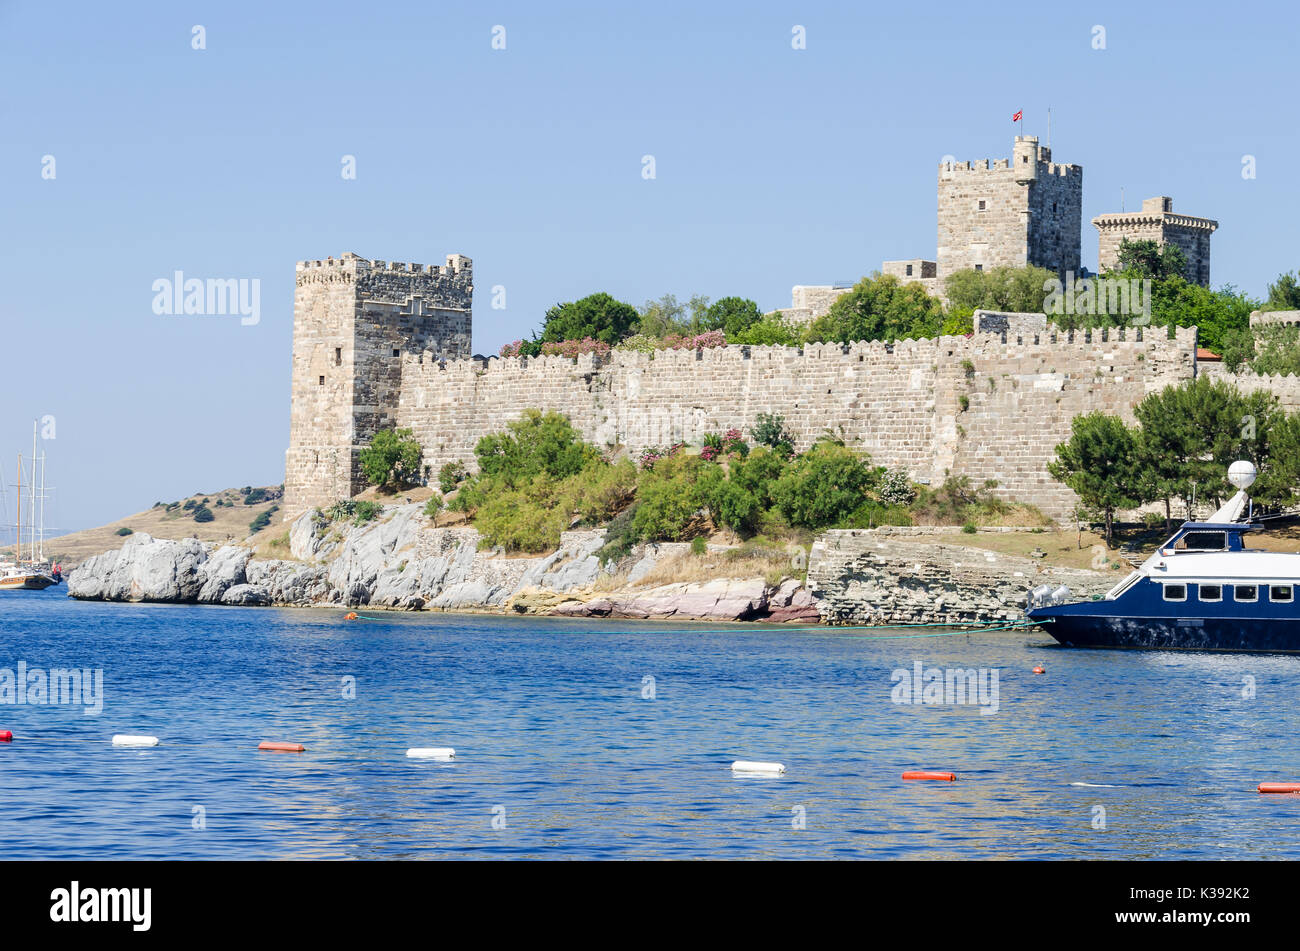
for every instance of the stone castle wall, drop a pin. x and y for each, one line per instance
(982, 406)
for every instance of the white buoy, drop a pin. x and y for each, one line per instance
(431, 752)
(126, 739)
(766, 769)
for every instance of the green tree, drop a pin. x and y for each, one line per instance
(771, 330)
(824, 485)
(731, 315)
(1190, 434)
(535, 443)
(1150, 259)
(598, 316)
(658, 318)
(393, 456)
(879, 308)
(1283, 294)
(1015, 289)
(1099, 463)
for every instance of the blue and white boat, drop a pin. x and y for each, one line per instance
(1202, 590)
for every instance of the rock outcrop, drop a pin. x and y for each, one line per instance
(399, 562)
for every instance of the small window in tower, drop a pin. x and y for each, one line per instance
(1024, 159)
(1053, 207)
(322, 381)
(909, 270)
(979, 267)
(338, 356)
(981, 204)
(396, 352)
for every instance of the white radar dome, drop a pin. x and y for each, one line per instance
(1242, 474)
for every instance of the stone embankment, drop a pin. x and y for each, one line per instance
(870, 577)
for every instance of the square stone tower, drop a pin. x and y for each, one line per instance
(1024, 211)
(355, 322)
(1157, 222)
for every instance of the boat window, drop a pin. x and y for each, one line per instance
(1245, 592)
(1202, 541)
(1210, 592)
(1175, 592)
(1280, 593)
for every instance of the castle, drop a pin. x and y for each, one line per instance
(1023, 211)
(385, 345)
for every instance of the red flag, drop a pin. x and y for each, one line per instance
(1017, 117)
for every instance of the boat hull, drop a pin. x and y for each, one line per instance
(1248, 635)
(26, 583)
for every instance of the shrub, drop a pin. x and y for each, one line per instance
(573, 348)
(652, 454)
(253, 496)
(124, 531)
(451, 475)
(366, 512)
(259, 523)
(895, 488)
(758, 471)
(203, 514)
(669, 499)
(341, 509)
(620, 537)
(698, 545)
(433, 506)
(824, 485)
(769, 430)
(535, 443)
(392, 456)
(969, 528)
(732, 506)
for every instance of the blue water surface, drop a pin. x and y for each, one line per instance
(560, 754)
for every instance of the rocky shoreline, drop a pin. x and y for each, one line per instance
(400, 562)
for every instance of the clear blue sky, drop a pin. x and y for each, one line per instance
(774, 167)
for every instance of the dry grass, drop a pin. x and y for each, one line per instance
(1061, 547)
(229, 524)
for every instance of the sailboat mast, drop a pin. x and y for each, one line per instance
(31, 522)
(18, 538)
(40, 554)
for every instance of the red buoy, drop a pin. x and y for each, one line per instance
(350, 616)
(923, 774)
(1279, 787)
(6, 736)
(281, 747)
(1040, 670)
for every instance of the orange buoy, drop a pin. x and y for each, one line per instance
(6, 736)
(281, 747)
(1040, 670)
(350, 616)
(923, 774)
(1279, 787)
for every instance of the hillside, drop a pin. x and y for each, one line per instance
(174, 520)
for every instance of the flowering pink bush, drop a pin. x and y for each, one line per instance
(713, 338)
(511, 349)
(652, 454)
(572, 348)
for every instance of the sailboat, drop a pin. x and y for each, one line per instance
(35, 573)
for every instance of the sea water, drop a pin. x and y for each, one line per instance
(614, 739)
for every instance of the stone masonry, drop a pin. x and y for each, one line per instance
(1010, 213)
(355, 322)
(1157, 222)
